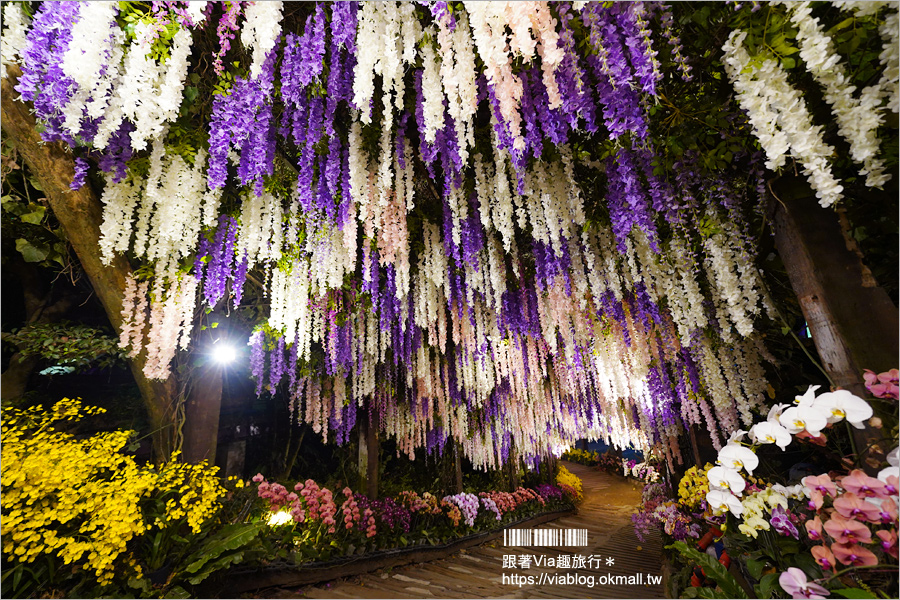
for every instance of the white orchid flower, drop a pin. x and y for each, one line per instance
(775, 412)
(811, 418)
(885, 473)
(737, 457)
(893, 458)
(737, 436)
(841, 404)
(726, 478)
(770, 432)
(720, 501)
(808, 397)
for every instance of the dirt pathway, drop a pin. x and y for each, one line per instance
(478, 572)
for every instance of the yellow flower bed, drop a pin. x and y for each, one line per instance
(83, 499)
(569, 481)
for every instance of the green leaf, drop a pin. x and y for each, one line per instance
(713, 570)
(755, 567)
(216, 565)
(31, 253)
(177, 592)
(36, 216)
(788, 63)
(231, 537)
(706, 592)
(853, 593)
(767, 585)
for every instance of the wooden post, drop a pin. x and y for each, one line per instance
(696, 450)
(203, 404)
(367, 462)
(201, 414)
(853, 322)
(457, 468)
(362, 462)
(374, 455)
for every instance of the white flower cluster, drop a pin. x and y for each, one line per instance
(92, 63)
(260, 32)
(15, 25)
(260, 233)
(119, 202)
(488, 21)
(858, 119)
(147, 93)
(432, 93)
(384, 50)
(169, 216)
(862, 8)
(780, 118)
(457, 69)
(890, 58)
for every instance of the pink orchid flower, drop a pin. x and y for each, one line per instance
(891, 485)
(816, 499)
(888, 511)
(853, 555)
(852, 506)
(814, 529)
(888, 541)
(862, 485)
(822, 483)
(847, 531)
(883, 385)
(824, 557)
(794, 582)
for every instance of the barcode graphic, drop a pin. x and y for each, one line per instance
(545, 537)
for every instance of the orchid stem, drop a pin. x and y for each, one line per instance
(856, 568)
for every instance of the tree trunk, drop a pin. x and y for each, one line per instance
(373, 463)
(80, 215)
(203, 404)
(201, 414)
(367, 463)
(852, 320)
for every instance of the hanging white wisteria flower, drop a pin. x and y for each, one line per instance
(858, 119)
(261, 30)
(890, 60)
(15, 26)
(779, 117)
(149, 93)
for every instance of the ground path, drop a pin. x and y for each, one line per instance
(478, 571)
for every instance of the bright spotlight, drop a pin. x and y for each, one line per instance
(224, 354)
(282, 517)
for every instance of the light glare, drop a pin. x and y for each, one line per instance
(281, 517)
(224, 354)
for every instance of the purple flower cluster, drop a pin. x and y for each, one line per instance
(43, 81)
(258, 358)
(242, 120)
(215, 263)
(627, 200)
(781, 521)
(621, 103)
(390, 514)
(81, 170)
(548, 491)
(468, 505)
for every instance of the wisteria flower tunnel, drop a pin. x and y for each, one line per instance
(492, 229)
